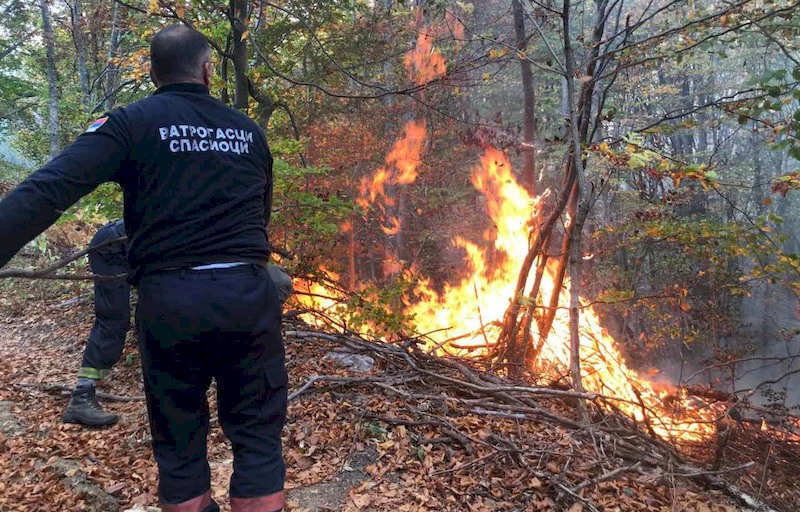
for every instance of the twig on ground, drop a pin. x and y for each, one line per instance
(604, 477)
(578, 497)
(331, 378)
(466, 464)
(57, 388)
(694, 474)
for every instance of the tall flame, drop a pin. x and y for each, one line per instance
(423, 64)
(400, 169)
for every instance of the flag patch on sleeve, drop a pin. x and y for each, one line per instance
(97, 124)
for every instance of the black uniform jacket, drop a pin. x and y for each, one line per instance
(196, 177)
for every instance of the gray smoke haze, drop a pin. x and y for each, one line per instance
(768, 335)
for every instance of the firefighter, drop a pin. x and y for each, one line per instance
(112, 321)
(196, 177)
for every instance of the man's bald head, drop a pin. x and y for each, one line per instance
(179, 54)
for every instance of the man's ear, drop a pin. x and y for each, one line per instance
(207, 73)
(153, 77)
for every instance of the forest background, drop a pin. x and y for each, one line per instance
(661, 137)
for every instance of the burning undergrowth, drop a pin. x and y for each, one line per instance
(463, 317)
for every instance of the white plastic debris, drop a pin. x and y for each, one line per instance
(356, 362)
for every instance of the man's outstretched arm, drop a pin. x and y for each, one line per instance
(94, 158)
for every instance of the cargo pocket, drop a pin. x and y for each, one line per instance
(277, 376)
(277, 381)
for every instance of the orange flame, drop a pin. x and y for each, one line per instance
(318, 297)
(424, 64)
(472, 309)
(401, 169)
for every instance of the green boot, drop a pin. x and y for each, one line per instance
(84, 409)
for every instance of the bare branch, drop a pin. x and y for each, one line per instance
(57, 388)
(407, 91)
(605, 476)
(8, 51)
(324, 50)
(47, 272)
(331, 378)
(776, 380)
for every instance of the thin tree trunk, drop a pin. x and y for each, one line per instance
(563, 263)
(80, 52)
(52, 77)
(583, 210)
(239, 18)
(112, 75)
(529, 102)
(225, 95)
(351, 253)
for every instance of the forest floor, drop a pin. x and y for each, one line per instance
(390, 439)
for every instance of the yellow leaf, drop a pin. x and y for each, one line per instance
(604, 147)
(152, 7)
(487, 76)
(467, 7)
(245, 35)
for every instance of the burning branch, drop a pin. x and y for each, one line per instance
(457, 386)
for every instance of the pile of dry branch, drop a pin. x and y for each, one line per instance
(492, 429)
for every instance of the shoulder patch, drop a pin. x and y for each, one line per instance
(97, 124)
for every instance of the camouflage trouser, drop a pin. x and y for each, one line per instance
(112, 304)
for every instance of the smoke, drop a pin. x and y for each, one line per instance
(765, 346)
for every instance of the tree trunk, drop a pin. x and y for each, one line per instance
(52, 77)
(80, 51)
(581, 184)
(223, 73)
(529, 102)
(239, 18)
(112, 75)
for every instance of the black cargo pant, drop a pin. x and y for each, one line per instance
(195, 325)
(111, 304)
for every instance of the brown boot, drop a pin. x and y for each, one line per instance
(270, 503)
(202, 503)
